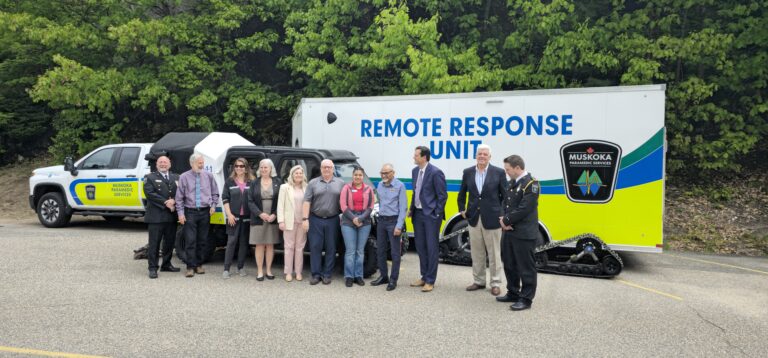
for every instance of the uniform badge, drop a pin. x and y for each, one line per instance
(535, 188)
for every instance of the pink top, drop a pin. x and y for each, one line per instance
(241, 186)
(348, 198)
(298, 202)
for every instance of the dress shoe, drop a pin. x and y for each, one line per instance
(259, 278)
(190, 273)
(427, 287)
(299, 277)
(475, 287)
(379, 281)
(520, 305)
(169, 268)
(507, 298)
(288, 278)
(418, 283)
(270, 277)
(359, 281)
(495, 291)
(152, 273)
(391, 286)
(314, 280)
(225, 275)
(348, 282)
(326, 280)
(199, 270)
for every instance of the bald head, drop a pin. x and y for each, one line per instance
(387, 173)
(326, 169)
(163, 164)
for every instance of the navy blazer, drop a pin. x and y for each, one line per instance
(434, 192)
(486, 206)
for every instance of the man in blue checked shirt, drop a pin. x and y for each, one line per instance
(392, 211)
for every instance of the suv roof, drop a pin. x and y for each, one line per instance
(332, 154)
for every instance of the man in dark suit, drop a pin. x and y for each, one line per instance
(160, 191)
(428, 212)
(521, 228)
(486, 186)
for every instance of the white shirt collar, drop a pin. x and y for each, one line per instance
(521, 176)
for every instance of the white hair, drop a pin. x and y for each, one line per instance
(194, 157)
(484, 146)
(272, 173)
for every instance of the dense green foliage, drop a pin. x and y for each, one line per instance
(80, 73)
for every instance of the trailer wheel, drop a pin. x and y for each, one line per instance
(52, 210)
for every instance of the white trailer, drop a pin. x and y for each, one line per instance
(598, 152)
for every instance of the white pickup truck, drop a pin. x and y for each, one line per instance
(106, 182)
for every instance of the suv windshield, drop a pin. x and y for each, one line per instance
(344, 171)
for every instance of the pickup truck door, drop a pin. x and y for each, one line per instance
(108, 179)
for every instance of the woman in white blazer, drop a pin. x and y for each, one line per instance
(289, 206)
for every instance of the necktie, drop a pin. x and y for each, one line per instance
(197, 190)
(418, 188)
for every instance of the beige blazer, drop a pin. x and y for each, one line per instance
(285, 206)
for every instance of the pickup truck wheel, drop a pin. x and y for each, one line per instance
(51, 210)
(113, 219)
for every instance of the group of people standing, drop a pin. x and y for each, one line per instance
(502, 217)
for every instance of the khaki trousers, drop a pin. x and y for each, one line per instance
(485, 244)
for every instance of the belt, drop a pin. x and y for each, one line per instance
(388, 217)
(197, 209)
(324, 217)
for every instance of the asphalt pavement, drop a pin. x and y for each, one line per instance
(77, 290)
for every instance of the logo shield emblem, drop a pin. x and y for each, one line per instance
(590, 169)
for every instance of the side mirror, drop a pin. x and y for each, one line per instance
(69, 165)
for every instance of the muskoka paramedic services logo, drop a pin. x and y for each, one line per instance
(590, 168)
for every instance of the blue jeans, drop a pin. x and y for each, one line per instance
(354, 240)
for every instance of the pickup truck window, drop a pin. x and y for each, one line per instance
(128, 158)
(99, 160)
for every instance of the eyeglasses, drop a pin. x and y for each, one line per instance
(239, 166)
(386, 173)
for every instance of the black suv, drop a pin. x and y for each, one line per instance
(179, 146)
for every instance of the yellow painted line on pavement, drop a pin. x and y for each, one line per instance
(669, 295)
(45, 353)
(721, 264)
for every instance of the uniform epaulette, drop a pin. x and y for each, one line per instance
(535, 188)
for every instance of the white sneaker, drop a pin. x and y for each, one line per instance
(225, 275)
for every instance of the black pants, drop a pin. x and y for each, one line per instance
(519, 267)
(385, 237)
(239, 238)
(165, 232)
(196, 235)
(322, 236)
